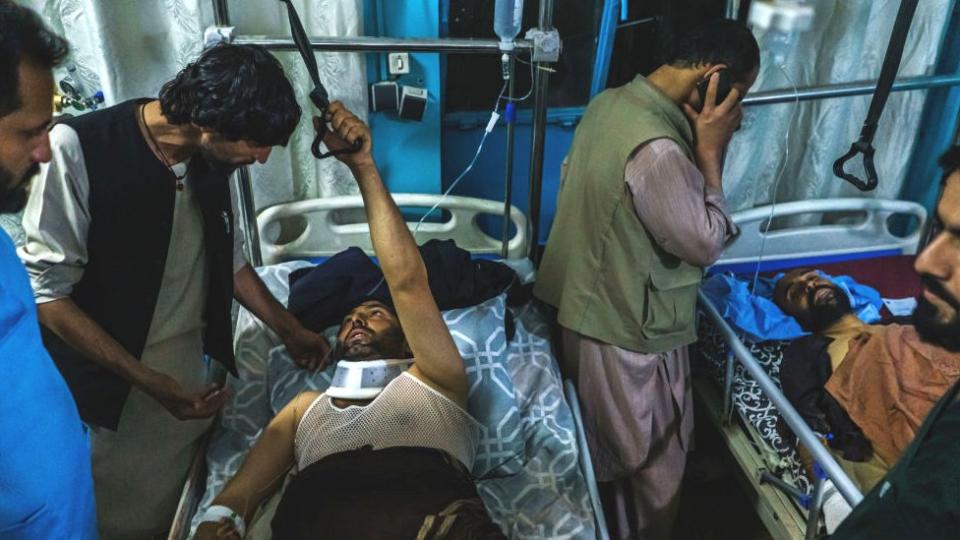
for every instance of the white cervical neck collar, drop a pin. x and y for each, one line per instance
(362, 380)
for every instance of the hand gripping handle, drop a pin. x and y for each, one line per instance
(318, 95)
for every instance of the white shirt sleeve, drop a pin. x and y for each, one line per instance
(56, 219)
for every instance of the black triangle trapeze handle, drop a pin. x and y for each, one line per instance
(319, 96)
(888, 74)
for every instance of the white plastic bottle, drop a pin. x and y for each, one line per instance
(507, 18)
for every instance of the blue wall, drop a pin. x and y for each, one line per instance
(486, 179)
(938, 127)
(426, 156)
(407, 152)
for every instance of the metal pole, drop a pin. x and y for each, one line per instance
(586, 463)
(540, 83)
(637, 22)
(806, 436)
(808, 93)
(799, 496)
(508, 177)
(813, 513)
(221, 14)
(728, 388)
(246, 207)
(248, 216)
(733, 9)
(605, 39)
(387, 44)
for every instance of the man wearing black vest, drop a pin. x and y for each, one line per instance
(134, 262)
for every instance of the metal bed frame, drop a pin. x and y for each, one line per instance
(777, 510)
(872, 233)
(323, 236)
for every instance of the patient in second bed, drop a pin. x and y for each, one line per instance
(388, 459)
(869, 386)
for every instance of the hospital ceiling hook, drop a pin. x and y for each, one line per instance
(319, 96)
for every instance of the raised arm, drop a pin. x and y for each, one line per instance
(437, 357)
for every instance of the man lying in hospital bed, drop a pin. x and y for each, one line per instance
(385, 454)
(869, 386)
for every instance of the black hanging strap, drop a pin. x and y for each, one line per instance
(891, 63)
(319, 96)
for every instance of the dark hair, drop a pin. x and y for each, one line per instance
(23, 36)
(950, 161)
(385, 302)
(239, 91)
(718, 42)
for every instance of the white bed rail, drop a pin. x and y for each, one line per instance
(586, 462)
(323, 236)
(871, 232)
(804, 434)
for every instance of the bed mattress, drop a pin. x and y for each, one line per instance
(527, 466)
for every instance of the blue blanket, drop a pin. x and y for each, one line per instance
(756, 316)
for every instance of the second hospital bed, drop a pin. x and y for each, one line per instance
(737, 380)
(532, 467)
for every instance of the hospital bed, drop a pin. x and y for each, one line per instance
(533, 467)
(738, 380)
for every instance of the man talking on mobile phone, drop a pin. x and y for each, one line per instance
(640, 213)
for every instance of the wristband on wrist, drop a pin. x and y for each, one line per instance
(216, 513)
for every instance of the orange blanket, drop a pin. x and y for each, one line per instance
(888, 382)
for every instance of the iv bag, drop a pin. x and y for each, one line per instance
(507, 17)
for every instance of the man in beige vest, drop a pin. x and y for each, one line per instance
(641, 211)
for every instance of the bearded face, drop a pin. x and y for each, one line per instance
(13, 190)
(938, 308)
(371, 331)
(936, 318)
(813, 300)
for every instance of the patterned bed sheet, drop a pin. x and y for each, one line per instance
(894, 276)
(756, 410)
(527, 463)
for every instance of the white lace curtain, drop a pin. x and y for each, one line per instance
(847, 43)
(129, 48)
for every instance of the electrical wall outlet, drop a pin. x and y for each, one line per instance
(384, 96)
(413, 103)
(399, 63)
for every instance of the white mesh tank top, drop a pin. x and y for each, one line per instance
(406, 413)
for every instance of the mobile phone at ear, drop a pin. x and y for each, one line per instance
(723, 87)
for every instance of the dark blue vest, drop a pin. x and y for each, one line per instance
(131, 217)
